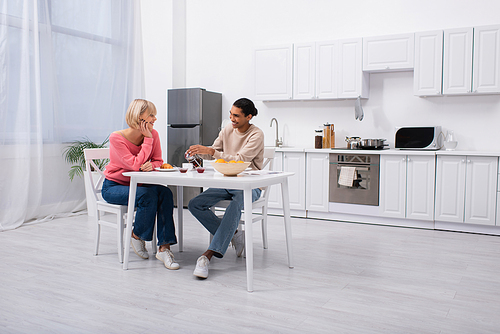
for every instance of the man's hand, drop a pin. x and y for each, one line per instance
(200, 149)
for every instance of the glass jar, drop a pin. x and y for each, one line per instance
(318, 139)
(450, 143)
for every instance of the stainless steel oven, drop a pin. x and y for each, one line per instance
(354, 178)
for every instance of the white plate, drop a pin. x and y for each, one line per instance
(166, 169)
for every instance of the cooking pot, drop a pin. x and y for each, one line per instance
(372, 143)
(353, 143)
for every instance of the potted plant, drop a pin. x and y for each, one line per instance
(74, 154)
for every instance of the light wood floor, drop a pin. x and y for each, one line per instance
(348, 278)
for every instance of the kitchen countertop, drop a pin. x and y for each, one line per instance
(390, 151)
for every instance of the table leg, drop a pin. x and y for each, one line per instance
(180, 222)
(288, 220)
(130, 220)
(247, 195)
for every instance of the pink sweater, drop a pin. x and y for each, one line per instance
(126, 157)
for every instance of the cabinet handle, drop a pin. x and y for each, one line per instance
(387, 68)
(404, 159)
(408, 159)
(463, 160)
(468, 160)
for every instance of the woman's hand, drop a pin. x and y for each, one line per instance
(200, 149)
(146, 167)
(145, 128)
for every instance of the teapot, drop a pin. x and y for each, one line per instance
(353, 143)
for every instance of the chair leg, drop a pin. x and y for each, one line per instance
(264, 227)
(154, 246)
(119, 234)
(97, 233)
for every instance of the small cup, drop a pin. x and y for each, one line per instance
(183, 170)
(200, 169)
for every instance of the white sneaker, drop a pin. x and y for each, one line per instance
(238, 242)
(139, 247)
(168, 259)
(201, 269)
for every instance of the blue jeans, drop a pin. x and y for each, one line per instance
(152, 201)
(222, 229)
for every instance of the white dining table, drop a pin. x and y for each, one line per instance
(245, 181)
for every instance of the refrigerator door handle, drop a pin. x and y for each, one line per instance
(183, 126)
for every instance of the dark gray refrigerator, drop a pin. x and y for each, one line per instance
(194, 116)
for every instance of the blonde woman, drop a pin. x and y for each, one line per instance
(138, 149)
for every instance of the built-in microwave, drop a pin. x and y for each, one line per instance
(419, 138)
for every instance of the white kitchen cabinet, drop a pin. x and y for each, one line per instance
(392, 185)
(326, 70)
(457, 61)
(481, 190)
(407, 186)
(304, 60)
(353, 81)
(275, 199)
(273, 72)
(290, 162)
(466, 189)
(420, 185)
(295, 162)
(428, 71)
(486, 66)
(317, 181)
(450, 188)
(388, 53)
(315, 73)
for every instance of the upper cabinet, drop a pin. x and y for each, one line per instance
(304, 71)
(273, 73)
(353, 82)
(323, 70)
(445, 62)
(327, 70)
(486, 66)
(388, 53)
(471, 62)
(428, 72)
(457, 61)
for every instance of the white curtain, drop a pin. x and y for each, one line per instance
(68, 70)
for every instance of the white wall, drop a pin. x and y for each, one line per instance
(222, 34)
(157, 40)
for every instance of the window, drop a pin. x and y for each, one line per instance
(76, 75)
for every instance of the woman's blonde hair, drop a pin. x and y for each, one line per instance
(137, 108)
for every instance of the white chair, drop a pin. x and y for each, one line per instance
(260, 204)
(101, 206)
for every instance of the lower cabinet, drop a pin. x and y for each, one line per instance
(275, 199)
(407, 186)
(317, 181)
(295, 162)
(466, 189)
(290, 162)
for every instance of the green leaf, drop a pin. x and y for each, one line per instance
(74, 154)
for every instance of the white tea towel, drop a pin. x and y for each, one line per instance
(347, 175)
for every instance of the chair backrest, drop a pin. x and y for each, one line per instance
(268, 158)
(92, 154)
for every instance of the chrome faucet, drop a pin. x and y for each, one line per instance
(279, 142)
